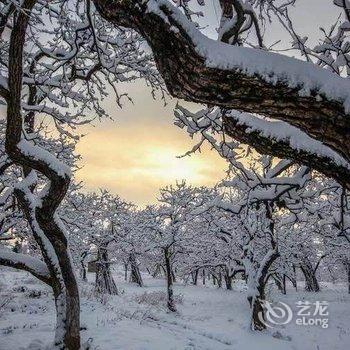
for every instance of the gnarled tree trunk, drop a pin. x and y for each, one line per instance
(48, 230)
(135, 275)
(104, 283)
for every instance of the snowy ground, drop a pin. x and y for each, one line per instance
(207, 318)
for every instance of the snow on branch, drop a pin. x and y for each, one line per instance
(272, 67)
(199, 69)
(279, 138)
(25, 262)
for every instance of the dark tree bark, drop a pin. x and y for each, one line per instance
(284, 284)
(187, 76)
(47, 229)
(125, 271)
(194, 275)
(348, 275)
(283, 150)
(104, 280)
(135, 275)
(169, 277)
(228, 282)
(256, 301)
(173, 274)
(311, 282)
(258, 312)
(294, 280)
(83, 266)
(228, 279)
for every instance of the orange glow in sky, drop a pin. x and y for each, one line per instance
(134, 156)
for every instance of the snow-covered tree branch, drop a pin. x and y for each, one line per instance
(198, 69)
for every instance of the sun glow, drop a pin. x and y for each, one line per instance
(135, 165)
(164, 164)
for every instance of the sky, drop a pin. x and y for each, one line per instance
(136, 154)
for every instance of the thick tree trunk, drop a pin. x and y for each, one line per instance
(293, 280)
(104, 281)
(228, 282)
(64, 285)
(195, 277)
(346, 264)
(217, 279)
(188, 75)
(83, 273)
(169, 277)
(228, 279)
(257, 309)
(311, 283)
(67, 315)
(135, 275)
(256, 300)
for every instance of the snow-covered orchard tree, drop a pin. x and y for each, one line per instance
(255, 192)
(77, 215)
(57, 60)
(270, 90)
(133, 243)
(213, 247)
(167, 228)
(301, 247)
(97, 222)
(258, 193)
(329, 213)
(60, 59)
(110, 212)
